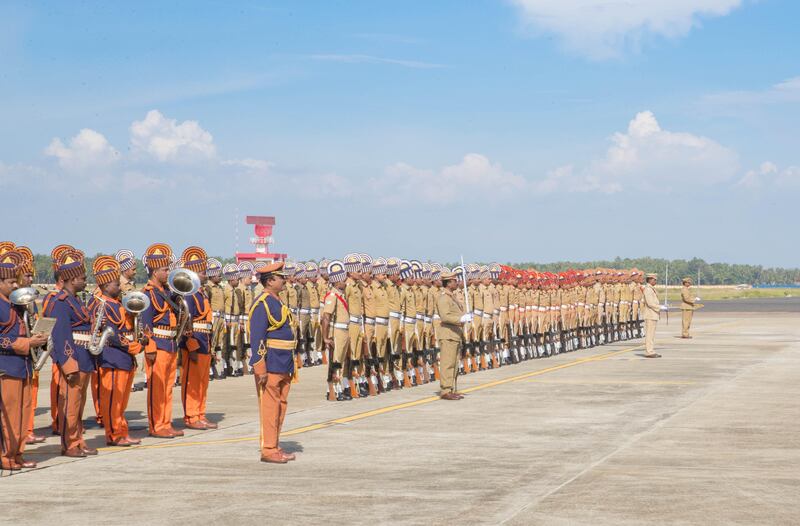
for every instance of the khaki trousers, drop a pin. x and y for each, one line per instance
(687, 321)
(341, 338)
(272, 410)
(650, 336)
(448, 364)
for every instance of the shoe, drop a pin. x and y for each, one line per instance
(275, 458)
(10, 467)
(35, 439)
(74, 452)
(450, 396)
(89, 450)
(459, 395)
(209, 424)
(287, 456)
(165, 435)
(199, 425)
(124, 442)
(176, 432)
(27, 464)
(686, 337)
(654, 355)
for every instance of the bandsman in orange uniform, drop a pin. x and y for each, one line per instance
(159, 322)
(117, 362)
(196, 347)
(16, 368)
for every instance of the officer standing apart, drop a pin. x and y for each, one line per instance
(652, 312)
(273, 339)
(452, 315)
(687, 306)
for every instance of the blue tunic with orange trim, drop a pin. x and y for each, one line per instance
(159, 315)
(119, 350)
(200, 310)
(12, 328)
(272, 335)
(71, 316)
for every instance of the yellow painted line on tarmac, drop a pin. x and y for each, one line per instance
(397, 407)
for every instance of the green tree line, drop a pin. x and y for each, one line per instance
(708, 273)
(696, 268)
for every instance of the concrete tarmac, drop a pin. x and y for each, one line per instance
(708, 434)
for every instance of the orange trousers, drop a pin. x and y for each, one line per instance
(272, 410)
(115, 389)
(194, 386)
(15, 404)
(34, 402)
(98, 415)
(55, 379)
(71, 401)
(160, 381)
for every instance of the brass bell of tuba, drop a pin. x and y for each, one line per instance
(23, 297)
(136, 302)
(183, 283)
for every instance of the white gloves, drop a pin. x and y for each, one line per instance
(466, 318)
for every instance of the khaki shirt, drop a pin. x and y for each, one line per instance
(368, 296)
(313, 295)
(420, 298)
(322, 289)
(451, 311)
(431, 303)
(408, 303)
(652, 309)
(234, 301)
(687, 298)
(393, 296)
(381, 297)
(304, 297)
(334, 304)
(353, 296)
(216, 296)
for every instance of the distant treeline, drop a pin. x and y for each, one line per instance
(709, 273)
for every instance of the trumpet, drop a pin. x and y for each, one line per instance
(136, 302)
(183, 283)
(24, 297)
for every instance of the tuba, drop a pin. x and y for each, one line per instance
(135, 302)
(24, 297)
(183, 283)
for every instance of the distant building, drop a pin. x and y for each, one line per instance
(262, 225)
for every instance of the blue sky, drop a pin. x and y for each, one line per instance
(511, 130)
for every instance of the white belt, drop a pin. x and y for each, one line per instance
(528, 307)
(201, 326)
(294, 310)
(305, 311)
(600, 304)
(163, 333)
(478, 312)
(409, 319)
(487, 316)
(514, 306)
(581, 304)
(624, 302)
(542, 309)
(503, 309)
(565, 306)
(436, 317)
(355, 319)
(79, 337)
(496, 312)
(419, 316)
(314, 311)
(382, 321)
(394, 314)
(340, 326)
(554, 308)
(369, 321)
(427, 319)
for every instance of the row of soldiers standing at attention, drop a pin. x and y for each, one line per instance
(378, 325)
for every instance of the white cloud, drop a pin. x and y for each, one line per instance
(787, 91)
(768, 175)
(649, 158)
(166, 140)
(88, 149)
(602, 29)
(475, 177)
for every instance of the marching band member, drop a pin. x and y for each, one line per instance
(71, 336)
(195, 348)
(117, 363)
(273, 338)
(159, 321)
(16, 369)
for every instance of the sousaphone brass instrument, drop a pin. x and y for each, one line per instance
(136, 302)
(183, 283)
(24, 297)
